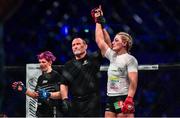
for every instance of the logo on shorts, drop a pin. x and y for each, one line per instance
(118, 104)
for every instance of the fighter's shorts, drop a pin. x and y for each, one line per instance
(114, 103)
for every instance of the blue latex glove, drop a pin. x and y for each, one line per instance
(43, 94)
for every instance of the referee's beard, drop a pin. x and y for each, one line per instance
(79, 54)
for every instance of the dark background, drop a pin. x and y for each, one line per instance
(31, 26)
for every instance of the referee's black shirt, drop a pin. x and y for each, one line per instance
(81, 76)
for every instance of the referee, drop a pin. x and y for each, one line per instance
(80, 79)
(48, 81)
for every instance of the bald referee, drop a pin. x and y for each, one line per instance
(81, 80)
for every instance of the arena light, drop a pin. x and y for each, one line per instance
(55, 4)
(86, 30)
(65, 30)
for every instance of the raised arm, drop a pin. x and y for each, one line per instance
(101, 20)
(101, 35)
(100, 39)
(107, 38)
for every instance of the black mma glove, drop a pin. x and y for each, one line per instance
(66, 106)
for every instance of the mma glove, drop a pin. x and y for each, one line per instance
(19, 86)
(66, 106)
(98, 16)
(43, 94)
(128, 105)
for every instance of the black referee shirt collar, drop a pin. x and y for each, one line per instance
(82, 59)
